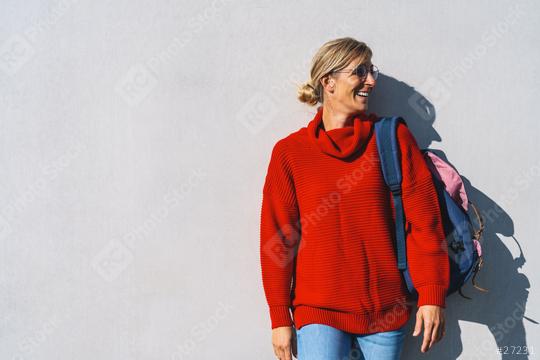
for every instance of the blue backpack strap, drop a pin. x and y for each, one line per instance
(390, 157)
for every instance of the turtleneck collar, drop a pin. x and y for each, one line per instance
(341, 142)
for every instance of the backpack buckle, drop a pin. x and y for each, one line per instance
(396, 189)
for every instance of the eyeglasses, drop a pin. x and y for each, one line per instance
(361, 71)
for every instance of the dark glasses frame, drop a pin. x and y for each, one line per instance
(361, 71)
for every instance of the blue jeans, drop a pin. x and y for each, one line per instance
(323, 342)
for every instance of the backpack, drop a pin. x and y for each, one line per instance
(464, 248)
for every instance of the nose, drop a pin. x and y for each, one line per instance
(370, 79)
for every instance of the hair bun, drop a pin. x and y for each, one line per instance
(307, 94)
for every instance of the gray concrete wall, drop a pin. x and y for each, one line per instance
(135, 138)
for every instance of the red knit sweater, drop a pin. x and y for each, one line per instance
(327, 231)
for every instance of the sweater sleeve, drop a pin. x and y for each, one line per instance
(427, 252)
(279, 236)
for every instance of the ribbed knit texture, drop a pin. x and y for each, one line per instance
(327, 245)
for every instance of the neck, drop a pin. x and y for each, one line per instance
(333, 118)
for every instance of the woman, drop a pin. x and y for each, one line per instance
(327, 237)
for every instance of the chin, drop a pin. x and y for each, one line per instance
(361, 108)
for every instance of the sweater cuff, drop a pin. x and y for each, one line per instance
(431, 295)
(280, 316)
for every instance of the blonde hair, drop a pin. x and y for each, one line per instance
(334, 55)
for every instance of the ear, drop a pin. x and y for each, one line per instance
(328, 83)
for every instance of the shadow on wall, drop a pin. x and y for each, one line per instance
(502, 308)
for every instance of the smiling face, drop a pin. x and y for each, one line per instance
(346, 92)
